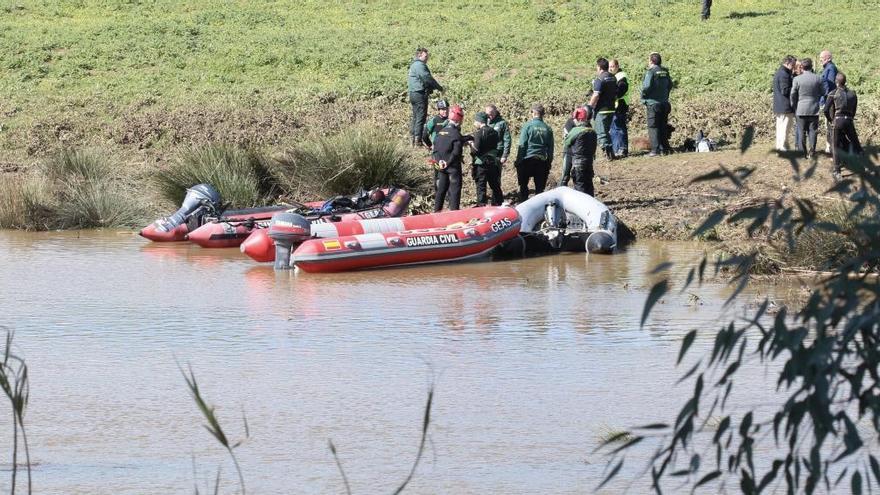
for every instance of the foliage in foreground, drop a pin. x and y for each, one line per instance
(216, 430)
(824, 430)
(16, 386)
(73, 189)
(357, 158)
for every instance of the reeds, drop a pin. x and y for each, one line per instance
(243, 177)
(213, 426)
(357, 158)
(15, 384)
(72, 189)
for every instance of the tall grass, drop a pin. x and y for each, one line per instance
(71, 189)
(357, 158)
(26, 202)
(242, 177)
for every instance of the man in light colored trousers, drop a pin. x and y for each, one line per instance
(782, 109)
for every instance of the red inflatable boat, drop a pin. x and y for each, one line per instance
(180, 232)
(445, 236)
(231, 233)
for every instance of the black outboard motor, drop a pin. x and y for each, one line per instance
(286, 229)
(200, 199)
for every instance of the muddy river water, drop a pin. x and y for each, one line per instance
(532, 361)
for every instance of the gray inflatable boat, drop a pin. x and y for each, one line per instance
(563, 219)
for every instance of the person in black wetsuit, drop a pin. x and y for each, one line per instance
(448, 154)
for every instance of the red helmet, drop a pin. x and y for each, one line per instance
(580, 114)
(456, 114)
(377, 196)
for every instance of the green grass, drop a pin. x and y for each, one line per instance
(242, 177)
(72, 189)
(88, 63)
(358, 158)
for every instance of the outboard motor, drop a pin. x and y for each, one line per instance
(554, 221)
(286, 229)
(201, 198)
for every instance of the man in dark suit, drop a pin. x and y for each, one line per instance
(782, 108)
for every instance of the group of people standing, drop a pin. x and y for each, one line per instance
(800, 96)
(601, 124)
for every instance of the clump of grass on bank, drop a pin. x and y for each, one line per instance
(819, 249)
(358, 158)
(242, 177)
(72, 190)
(26, 203)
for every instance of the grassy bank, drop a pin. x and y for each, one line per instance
(160, 73)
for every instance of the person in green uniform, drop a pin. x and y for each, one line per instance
(580, 145)
(486, 166)
(602, 103)
(619, 131)
(534, 155)
(497, 122)
(436, 122)
(655, 95)
(420, 84)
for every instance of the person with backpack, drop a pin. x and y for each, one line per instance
(447, 155)
(486, 167)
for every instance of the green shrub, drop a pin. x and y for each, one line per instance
(242, 177)
(97, 204)
(359, 158)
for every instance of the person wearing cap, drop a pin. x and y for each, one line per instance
(602, 103)
(580, 145)
(840, 110)
(436, 122)
(655, 95)
(486, 166)
(447, 154)
(420, 84)
(534, 156)
(566, 157)
(500, 125)
(619, 131)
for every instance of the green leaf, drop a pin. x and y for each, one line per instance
(857, 483)
(711, 221)
(875, 468)
(685, 344)
(657, 291)
(705, 479)
(611, 475)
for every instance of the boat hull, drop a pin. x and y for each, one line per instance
(438, 237)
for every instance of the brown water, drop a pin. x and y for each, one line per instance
(533, 360)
